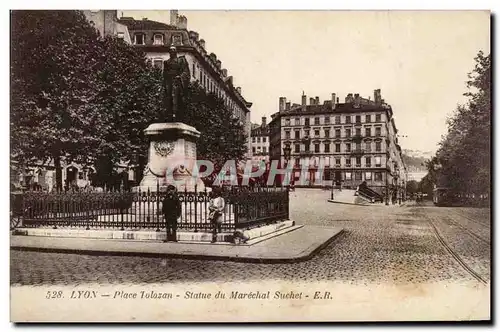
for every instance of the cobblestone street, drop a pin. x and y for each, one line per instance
(408, 244)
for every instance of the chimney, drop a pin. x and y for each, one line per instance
(224, 72)
(357, 100)
(239, 90)
(282, 104)
(202, 43)
(317, 101)
(183, 22)
(338, 99)
(304, 100)
(213, 57)
(174, 14)
(264, 121)
(287, 106)
(311, 101)
(218, 64)
(193, 35)
(377, 97)
(349, 98)
(333, 101)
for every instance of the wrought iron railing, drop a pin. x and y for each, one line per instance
(245, 208)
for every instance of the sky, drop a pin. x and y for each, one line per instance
(419, 59)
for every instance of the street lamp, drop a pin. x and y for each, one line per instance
(287, 150)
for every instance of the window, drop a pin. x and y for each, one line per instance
(287, 122)
(139, 39)
(121, 35)
(378, 176)
(316, 132)
(316, 147)
(306, 147)
(297, 121)
(348, 119)
(327, 120)
(253, 149)
(337, 147)
(158, 63)
(378, 131)
(348, 175)
(368, 175)
(358, 161)
(348, 147)
(378, 161)
(337, 161)
(306, 133)
(358, 176)
(368, 132)
(264, 149)
(253, 139)
(158, 39)
(337, 133)
(327, 132)
(358, 118)
(378, 146)
(337, 119)
(368, 146)
(378, 117)
(258, 139)
(297, 134)
(297, 148)
(368, 161)
(287, 134)
(348, 132)
(297, 161)
(264, 139)
(177, 40)
(306, 122)
(316, 121)
(368, 118)
(327, 147)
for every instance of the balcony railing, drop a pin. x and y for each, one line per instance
(357, 151)
(357, 137)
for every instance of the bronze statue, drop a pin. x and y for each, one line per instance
(176, 78)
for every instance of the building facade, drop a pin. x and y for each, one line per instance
(339, 143)
(155, 39)
(260, 142)
(106, 22)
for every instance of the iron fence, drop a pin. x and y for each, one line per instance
(245, 207)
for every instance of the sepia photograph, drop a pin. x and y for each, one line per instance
(250, 166)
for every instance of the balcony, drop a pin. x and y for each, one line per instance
(305, 153)
(306, 139)
(357, 137)
(357, 151)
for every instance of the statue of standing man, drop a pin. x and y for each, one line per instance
(176, 77)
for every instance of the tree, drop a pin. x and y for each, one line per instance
(464, 153)
(53, 60)
(411, 187)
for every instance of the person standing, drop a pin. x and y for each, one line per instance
(216, 208)
(171, 208)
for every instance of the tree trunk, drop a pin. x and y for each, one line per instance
(57, 165)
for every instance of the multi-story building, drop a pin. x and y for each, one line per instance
(339, 143)
(260, 142)
(155, 39)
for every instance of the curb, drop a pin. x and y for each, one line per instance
(185, 256)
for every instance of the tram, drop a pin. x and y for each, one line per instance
(441, 196)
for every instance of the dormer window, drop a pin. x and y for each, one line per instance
(158, 39)
(139, 39)
(120, 35)
(176, 40)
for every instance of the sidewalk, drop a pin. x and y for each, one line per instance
(298, 245)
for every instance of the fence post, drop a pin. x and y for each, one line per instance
(196, 208)
(157, 205)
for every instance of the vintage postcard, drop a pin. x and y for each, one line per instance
(250, 166)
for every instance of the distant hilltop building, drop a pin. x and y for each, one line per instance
(355, 141)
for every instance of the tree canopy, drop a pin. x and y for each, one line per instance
(463, 160)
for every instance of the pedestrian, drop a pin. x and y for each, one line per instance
(171, 208)
(216, 208)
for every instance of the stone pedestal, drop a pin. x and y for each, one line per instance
(171, 158)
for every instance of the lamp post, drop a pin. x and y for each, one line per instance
(386, 180)
(286, 153)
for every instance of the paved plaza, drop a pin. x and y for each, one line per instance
(380, 244)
